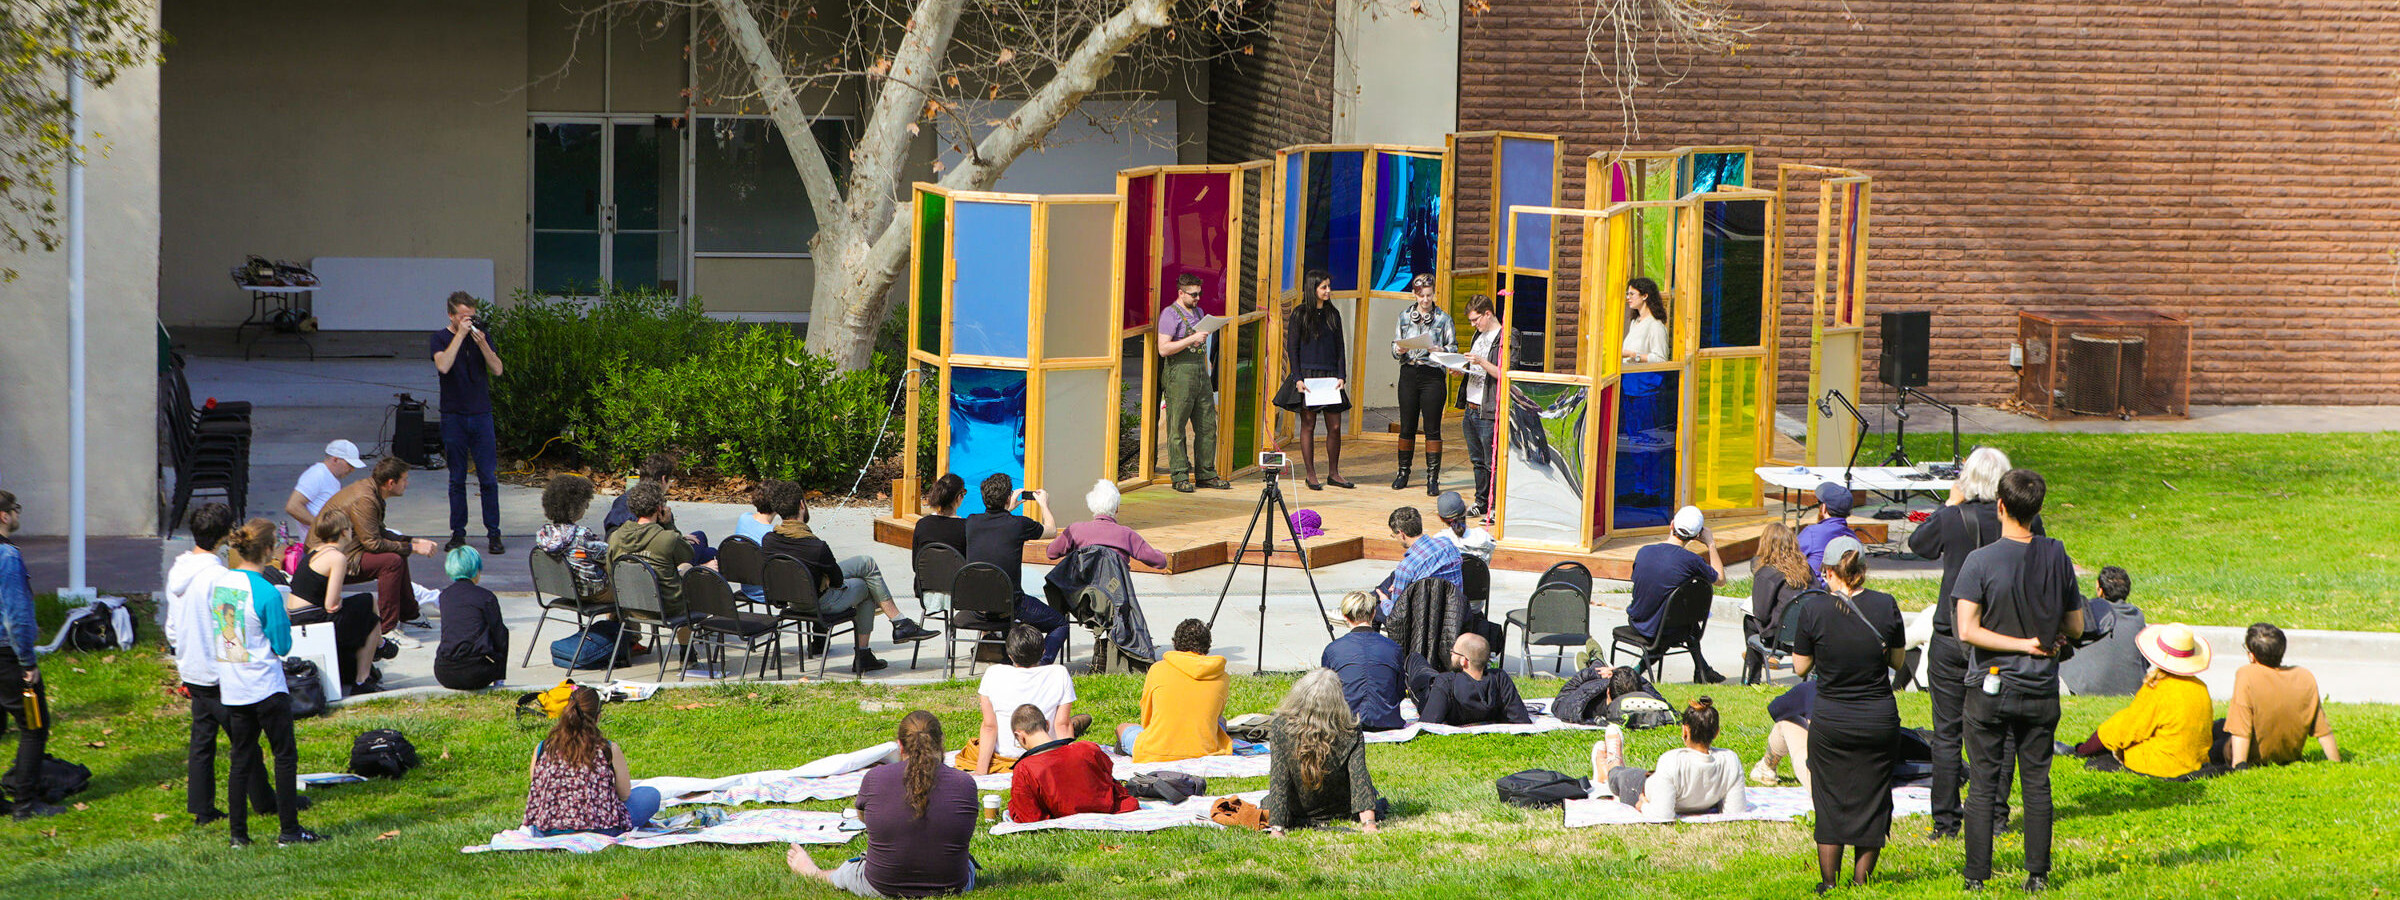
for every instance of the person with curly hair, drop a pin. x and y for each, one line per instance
(565, 500)
(920, 818)
(1317, 767)
(1183, 703)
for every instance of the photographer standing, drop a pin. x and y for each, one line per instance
(463, 354)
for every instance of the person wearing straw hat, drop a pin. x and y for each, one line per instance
(2166, 731)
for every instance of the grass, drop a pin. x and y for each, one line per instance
(2308, 830)
(2220, 529)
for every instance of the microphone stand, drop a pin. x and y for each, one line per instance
(1955, 456)
(1835, 394)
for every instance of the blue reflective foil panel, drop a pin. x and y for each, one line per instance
(1294, 167)
(1733, 273)
(1545, 462)
(1335, 179)
(1528, 171)
(1408, 218)
(991, 290)
(987, 428)
(1711, 171)
(1645, 488)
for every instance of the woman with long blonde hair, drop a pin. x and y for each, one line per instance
(1777, 576)
(1317, 762)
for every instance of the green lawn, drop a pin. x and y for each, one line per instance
(2309, 830)
(2220, 529)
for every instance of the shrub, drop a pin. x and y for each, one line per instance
(558, 350)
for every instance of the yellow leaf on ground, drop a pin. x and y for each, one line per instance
(388, 835)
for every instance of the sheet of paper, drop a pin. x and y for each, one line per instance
(1419, 342)
(1321, 391)
(1449, 360)
(1209, 324)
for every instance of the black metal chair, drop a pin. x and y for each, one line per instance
(1685, 623)
(555, 590)
(742, 563)
(641, 605)
(937, 566)
(719, 623)
(1571, 574)
(983, 601)
(1554, 617)
(792, 590)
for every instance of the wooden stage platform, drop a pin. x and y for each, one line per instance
(1204, 529)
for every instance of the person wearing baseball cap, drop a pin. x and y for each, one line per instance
(1660, 568)
(1833, 521)
(319, 483)
(2166, 731)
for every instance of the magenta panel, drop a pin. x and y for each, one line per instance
(1196, 217)
(1139, 304)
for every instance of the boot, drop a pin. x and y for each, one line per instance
(1408, 455)
(1433, 471)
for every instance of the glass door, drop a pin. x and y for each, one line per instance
(569, 203)
(605, 205)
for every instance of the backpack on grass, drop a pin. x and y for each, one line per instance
(61, 779)
(588, 648)
(1541, 787)
(382, 753)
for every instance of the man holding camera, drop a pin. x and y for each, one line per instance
(463, 354)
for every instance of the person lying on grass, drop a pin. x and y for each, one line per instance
(1059, 776)
(920, 817)
(1469, 695)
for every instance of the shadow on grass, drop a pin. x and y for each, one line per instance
(2123, 792)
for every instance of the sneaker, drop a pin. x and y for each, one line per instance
(1217, 484)
(1939, 833)
(1182, 485)
(1764, 775)
(456, 541)
(1079, 723)
(238, 841)
(395, 636)
(369, 686)
(387, 650)
(1972, 886)
(497, 547)
(907, 630)
(303, 836)
(866, 662)
(2035, 884)
(35, 809)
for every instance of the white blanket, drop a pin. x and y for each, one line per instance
(758, 826)
(1155, 815)
(1773, 804)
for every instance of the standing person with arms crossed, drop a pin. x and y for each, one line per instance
(463, 355)
(2017, 599)
(1967, 522)
(1189, 391)
(22, 695)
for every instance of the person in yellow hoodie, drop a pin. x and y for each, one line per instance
(1183, 703)
(2165, 732)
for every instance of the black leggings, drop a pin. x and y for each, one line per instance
(1421, 390)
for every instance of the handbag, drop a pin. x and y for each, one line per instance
(306, 683)
(1235, 812)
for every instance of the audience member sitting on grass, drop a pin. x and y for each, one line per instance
(1023, 681)
(2275, 709)
(1470, 539)
(1694, 778)
(565, 500)
(250, 634)
(1787, 736)
(376, 553)
(1183, 703)
(1427, 557)
(321, 481)
(1060, 776)
(1317, 760)
(2165, 732)
(1661, 568)
(1778, 574)
(920, 818)
(317, 597)
(189, 582)
(2112, 665)
(997, 535)
(1833, 521)
(853, 585)
(1371, 666)
(1103, 531)
(473, 654)
(579, 780)
(1469, 695)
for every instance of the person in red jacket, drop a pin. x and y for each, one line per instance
(1060, 777)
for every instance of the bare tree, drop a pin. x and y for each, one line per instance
(37, 41)
(1619, 33)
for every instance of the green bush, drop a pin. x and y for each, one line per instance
(558, 350)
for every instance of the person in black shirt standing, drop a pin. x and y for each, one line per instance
(1851, 645)
(1968, 522)
(1312, 348)
(463, 355)
(2016, 601)
(997, 535)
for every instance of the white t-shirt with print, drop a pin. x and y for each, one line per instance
(248, 670)
(1046, 687)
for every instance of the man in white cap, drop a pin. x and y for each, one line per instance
(319, 483)
(1662, 567)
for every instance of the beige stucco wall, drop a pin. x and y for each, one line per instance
(1395, 74)
(298, 129)
(121, 304)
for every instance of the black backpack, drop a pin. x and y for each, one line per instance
(382, 753)
(1173, 787)
(61, 779)
(1641, 710)
(588, 649)
(306, 685)
(92, 633)
(1541, 787)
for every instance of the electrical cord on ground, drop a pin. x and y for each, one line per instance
(898, 388)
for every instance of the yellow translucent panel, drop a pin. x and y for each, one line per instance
(1724, 435)
(1831, 435)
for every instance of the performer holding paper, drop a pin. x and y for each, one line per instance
(1183, 341)
(1422, 381)
(1313, 352)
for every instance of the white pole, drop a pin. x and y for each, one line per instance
(76, 588)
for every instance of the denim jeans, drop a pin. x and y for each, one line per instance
(1478, 426)
(470, 438)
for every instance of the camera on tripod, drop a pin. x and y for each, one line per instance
(1273, 460)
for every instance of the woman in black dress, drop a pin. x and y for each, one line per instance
(1312, 348)
(1851, 646)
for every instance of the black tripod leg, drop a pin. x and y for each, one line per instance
(1307, 567)
(1237, 561)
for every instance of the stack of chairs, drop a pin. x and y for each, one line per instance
(210, 447)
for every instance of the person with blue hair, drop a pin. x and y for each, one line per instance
(474, 649)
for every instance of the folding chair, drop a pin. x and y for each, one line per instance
(983, 601)
(555, 590)
(719, 623)
(792, 590)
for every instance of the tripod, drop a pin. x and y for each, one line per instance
(1270, 498)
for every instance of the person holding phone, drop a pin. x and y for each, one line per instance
(997, 535)
(464, 357)
(1313, 348)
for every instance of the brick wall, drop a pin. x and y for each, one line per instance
(2238, 162)
(1281, 92)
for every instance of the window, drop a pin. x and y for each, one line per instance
(746, 195)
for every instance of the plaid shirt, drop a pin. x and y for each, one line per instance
(1428, 557)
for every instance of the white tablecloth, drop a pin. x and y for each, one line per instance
(1862, 478)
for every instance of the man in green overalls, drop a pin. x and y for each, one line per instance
(1189, 391)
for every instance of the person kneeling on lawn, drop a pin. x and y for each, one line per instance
(2275, 708)
(2165, 732)
(579, 777)
(920, 816)
(1060, 776)
(1693, 778)
(1470, 695)
(1317, 760)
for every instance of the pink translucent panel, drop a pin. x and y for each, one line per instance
(1197, 217)
(1619, 190)
(1849, 248)
(1139, 303)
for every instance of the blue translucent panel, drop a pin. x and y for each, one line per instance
(1408, 218)
(987, 428)
(1733, 273)
(1528, 172)
(1545, 462)
(1646, 449)
(1294, 172)
(1528, 314)
(1335, 179)
(1712, 171)
(992, 278)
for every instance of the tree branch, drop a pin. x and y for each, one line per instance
(1031, 123)
(882, 151)
(783, 104)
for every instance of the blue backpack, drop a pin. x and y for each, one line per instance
(588, 649)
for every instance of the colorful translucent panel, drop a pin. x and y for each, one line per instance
(1620, 182)
(1074, 453)
(932, 243)
(1138, 302)
(1295, 171)
(1527, 313)
(1075, 292)
(1198, 217)
(1733, 273)
(1334, 181)
(1715, 171)
(1645, 488)
(1604, 421)
(1838, 358)
(1246, 374)
(1725, 431)
(1528, 174)
(987, 428)
(992, 279)
(1462, 288)
(1408, 218)
(1545, 462)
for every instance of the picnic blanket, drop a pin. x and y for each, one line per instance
(758, 826)
(1155, 815)
(1775, 804)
